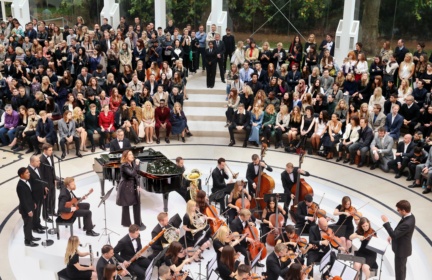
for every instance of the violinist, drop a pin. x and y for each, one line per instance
(224, 237)
(227, 264)
(346, 213)
(253, 170)
(235, 199)
(293, 241)
(364, 233)
(243, 272)
(157, 246)
(305, 214)
(191, 220)
(289, 178)
(275, 266)
(219, 175)
(164, 273)
(175, 259)
(266, 225)
(297, 272)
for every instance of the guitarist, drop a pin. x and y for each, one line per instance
(253, 170)
(66, 195)
(127, 247)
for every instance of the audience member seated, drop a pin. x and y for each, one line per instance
(410, 111)
(419, 157)
(129, 132)
(268, 122)
(45, 133)
(381, 150)
(388, 105)
(92, 128)
(404, 154)
(66, 130)
(420, 170)
(106, 122)
(174, 97)
(376, 118)
(420, 93)
(393, 123)
(281, 125)
(159, 95)
(232, 104)
(162, 120)
(241, 121)
(363, 144)
(350, 137)
(178, 121)
(7, 132)
(257, 116)
(271, 99)
(135, 117)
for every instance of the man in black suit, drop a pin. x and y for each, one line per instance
(120, 142)
(253, 170)
(8, 69)
(219, 46)
(127, 247)
(262, 74)
(241, 121)
(275, 267)
(211, 63)
(404, 153)
(106, 42)
(304, 220)
(106, 258)
(158, 245)
(82, 209)
(400, 51)
(362, 146)
(27, 206)
(293, 77)
(289, 179)
(47, 172)
(401, 237)
(84, 76)
(219, 176)
(39, 191)
(230, 45)
(327, 45)
(410, 111)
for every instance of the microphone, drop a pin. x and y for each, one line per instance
(57, 157)
(47, 164)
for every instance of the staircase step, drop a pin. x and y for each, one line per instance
(211, 91)
(206, 97)
(203, 104)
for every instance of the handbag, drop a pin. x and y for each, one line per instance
(167, 52)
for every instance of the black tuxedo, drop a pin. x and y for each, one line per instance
(403, 159)
(124, 251)
(9, 71)
(38, 191)
(401, 243)
(211, 63)
(115, 146)
(240, 120)
(220, 49)
(275, 267)
(83, 211)
(157, 246)
(315, 238)
(219, 184)
(26, 205)
(301, 214)
(101, 265)
(287, 183)
(47, 171)
(251, 175)
(293, 79)
(237, 226)
(263, 77)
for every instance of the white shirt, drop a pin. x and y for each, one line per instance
(49, 159)
(120, 142)
(134, 243)
(27, 183)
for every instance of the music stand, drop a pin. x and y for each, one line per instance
(378, 246)
(105, 230)
(326, 260)
(343, 270)
(204, 233)
(257, 259)
(352, 259)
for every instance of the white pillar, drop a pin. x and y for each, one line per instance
(20, 10)
(218, 17)
(347, 32)
(111, 11)
(160, 13)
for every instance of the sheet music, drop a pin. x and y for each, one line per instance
(337, 268)
(349, 273)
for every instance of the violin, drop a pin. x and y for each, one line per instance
(354, 213)
(301, 242)
(306, 270)
(289, 256)
(315, 211)
(333, 240)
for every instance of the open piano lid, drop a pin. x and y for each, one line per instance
(155, 165)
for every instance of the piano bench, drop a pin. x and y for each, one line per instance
(62, 275)
(66, 223)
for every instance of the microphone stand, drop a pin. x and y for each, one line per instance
(47, 242)
(106, 231)
(52, 230)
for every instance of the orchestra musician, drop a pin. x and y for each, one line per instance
(74, 269)
(227, 264)
(175, 258)
(401, 236)
(243, 272)
(296, 272)
(184, 184)
(164, 273)
(275, 267)
(346, 213)
(289, 178)
(223, 238)
(127, 247)
(266, 225)
(364, 233)
(219, 176)
(193, 234)
(120, 142)
(129, 189)
(304, 220)
(253, 170)
(83, 209)
(105, 260)
(39, 191)
(48, 174)
(235, 195)
(291, 239)
(157, 246)
(110, 273)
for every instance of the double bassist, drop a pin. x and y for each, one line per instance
(253, 170)
(290, 178)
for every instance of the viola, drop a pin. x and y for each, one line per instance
(369, 233)
(329, 235)
(354, 213)
(315, 211)
(301, 242)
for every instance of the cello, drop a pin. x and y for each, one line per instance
(265, 185)
(277, 225)
(301, 189)
(255, 246)
(211, 212)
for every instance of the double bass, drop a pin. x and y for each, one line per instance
(301, 189)
(265, 185)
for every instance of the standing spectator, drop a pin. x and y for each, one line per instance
(202, 36)
(406, 68)
(211, 63)
(220, 49)
(328, 45)
(400, 51)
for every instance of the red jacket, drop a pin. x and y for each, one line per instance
(162, 117)
(106, 121)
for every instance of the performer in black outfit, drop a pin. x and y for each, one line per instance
(39, 190)
(176, 258)
(289, 179)
(253, 171)
(66, 195)
(193, 233)
(236, 194)
(158, 245)
(74, 269)
(127, 247)
(223, 238)
(344, 211)
(211, 64)
(218, 177)
(275, 267)
(128, 190)
(106, 258)
(401, 237)
(364, 232)
(267, 212)
(27, 206)
(120, 142)
(303, 218)
(227, 265)
(48, 174)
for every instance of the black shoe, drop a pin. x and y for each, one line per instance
(259, 264)
(29, 151)
(40, 231)
(91, 233)
(373, 166)
(244, 144)
(63, 155)
(410, 178)
(360, 164)
(339, 159)
(102, 147)
(93, 149)
(49, 220)
(36, 239)
(14, 147)
(38, 152)
(188, 134)
(79, 154)
(398, 175)
(19, 149)
(183, 140)
(43, 227)
(426, 191)
(167, 140)
(30, 244)
(232, 143)
(351, 162)
(256, 144)
(414, 186)
(277, 146)
(157, 141)
(142, 227)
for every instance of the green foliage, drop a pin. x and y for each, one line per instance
(313, 9)
(419, 6)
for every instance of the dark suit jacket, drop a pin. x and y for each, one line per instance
(9, 71)
(46, 130)
(388, 106)
(275, 268)
(321, 48)
(124, 249)
(157, 246)
(26, 201)
(301, 214)
(103, 45)
(409, 151)
(286, 180)
(219, 180)
(400, 54)
(315, 238)
(394, 128)
(38, 188)
(410, 114)
(401, 236)
(64, 197)
(293, 79)
(115, 146)
(366, 136)
(246, 119)
(100, 267)
(229, 42)
(47, 172)
(211, 57)
(262, 77)
(219, 49)
(237, 226)
(88, 77)
(251, 175)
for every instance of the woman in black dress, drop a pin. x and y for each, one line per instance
(128, 190)
(73, 268)
(267, 212)
(344, 211)
(364, 232)
(175, 259)
(227, 265)
(307, 127)
(223, 238)
(236, 194)
(193, 234)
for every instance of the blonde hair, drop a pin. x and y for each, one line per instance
(270, 109)
(189, 205)
(258, 112)
(247, 90)
(72, 248)
(283, 110)
(148, 114)
(221, 233)
(19, 51)
(76, 114)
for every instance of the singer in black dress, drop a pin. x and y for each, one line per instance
(128, 193)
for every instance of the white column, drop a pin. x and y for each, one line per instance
(20, 10)
(347, 32)
(111, 11)
(160, 13)
(218, 17)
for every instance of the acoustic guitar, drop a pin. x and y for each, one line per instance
(73, 203)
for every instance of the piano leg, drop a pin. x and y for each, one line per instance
(165, 201)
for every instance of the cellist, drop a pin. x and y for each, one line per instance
(266, 225)
(289, 178)
(235, 195)
(253, 170)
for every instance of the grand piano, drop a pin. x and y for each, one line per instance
(158, 173)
